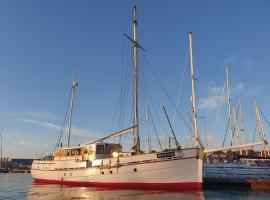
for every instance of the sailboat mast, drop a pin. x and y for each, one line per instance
(236, 127)
(242, 119)
(135, 85)
(73, 88)
(196, 133)
(229, 104)
(261, 129)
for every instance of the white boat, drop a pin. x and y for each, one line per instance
(104, 164)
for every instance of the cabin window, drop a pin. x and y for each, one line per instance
(68, 152)
(107, 150)
(100, 149)
(88, 150)
(103, 149)
(73, 152)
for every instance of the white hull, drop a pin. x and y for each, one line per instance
(139, 170)
(234, 172)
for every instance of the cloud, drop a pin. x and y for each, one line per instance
(33, 114)
(75, 130)
(212, 100)
(31, 142)
(41, 115)
(248, 63)
(243, 62)
(239, 87)
(257, 90)
(232, 58)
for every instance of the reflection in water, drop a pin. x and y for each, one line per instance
(21, 186)
(54, 191)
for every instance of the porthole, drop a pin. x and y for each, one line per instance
(135, 169)
(102, 173)
(111, 172)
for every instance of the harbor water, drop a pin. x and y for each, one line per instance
(21, 186)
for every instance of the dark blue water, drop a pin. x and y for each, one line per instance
(21, 186)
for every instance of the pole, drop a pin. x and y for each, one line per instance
(196, 133)
(261, 129)
(236, 127)
(135, 85)
(229, 104)
(73, 88)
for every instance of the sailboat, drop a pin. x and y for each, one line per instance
(232, 170)
(99, 163)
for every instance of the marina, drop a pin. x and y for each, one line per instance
(134, 101)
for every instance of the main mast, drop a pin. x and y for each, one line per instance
(73, 88)
(135, 85)
(194, 110)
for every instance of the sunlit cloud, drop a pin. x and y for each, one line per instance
(213, 98)
(75, 130)
(214, 95)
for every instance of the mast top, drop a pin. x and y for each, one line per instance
(134, 12)
(74, 82)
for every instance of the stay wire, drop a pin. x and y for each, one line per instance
(166, 93)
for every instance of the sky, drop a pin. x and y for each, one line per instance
(42, 43)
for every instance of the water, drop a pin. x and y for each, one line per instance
(21, 186)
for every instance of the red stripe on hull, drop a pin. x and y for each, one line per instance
(165, 186)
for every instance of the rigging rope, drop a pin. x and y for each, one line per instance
(218, 114)
(155, 130)
(225, 135)
(180, 89)
(165, 91)
(63, 126)
(265, 118)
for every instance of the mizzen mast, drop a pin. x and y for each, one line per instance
(73, 89)
(135, 85)
(194, 110)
